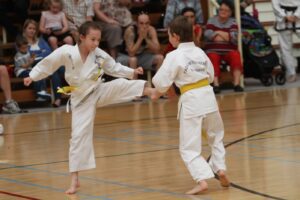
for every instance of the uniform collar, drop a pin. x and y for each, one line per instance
(186, 45)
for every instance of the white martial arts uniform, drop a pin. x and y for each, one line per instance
(282, 8)
(197, 108)
(90, 92)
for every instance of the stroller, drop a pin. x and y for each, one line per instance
(260, 59)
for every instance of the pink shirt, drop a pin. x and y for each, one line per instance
(53, 20)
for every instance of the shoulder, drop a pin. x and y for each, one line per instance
(212, 19)
(231, 20)
(152, 29)
(130, 28)
(100, 52)
(65, 49)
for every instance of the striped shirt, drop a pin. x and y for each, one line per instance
(213, 25)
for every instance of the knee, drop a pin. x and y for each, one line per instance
(68, 40)
(132, 61)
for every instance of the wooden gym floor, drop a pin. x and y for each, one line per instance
(136, 147)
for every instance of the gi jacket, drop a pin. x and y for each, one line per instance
(283, 8)
(185, 65)
(84, 76)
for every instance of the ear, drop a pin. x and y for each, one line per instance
(81, 37)
(177, 37)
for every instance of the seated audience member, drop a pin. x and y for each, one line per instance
(113, 17)
(77, 12)
(23, 65)
(10, 106)
(39, 49)
(190, 14)
(221, 44)
(54, 25)
(175, 7)
(141, 45)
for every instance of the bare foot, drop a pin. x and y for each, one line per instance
(224, 181)
(154, 95)
(74, 184)
(56, 103)
(200, 187)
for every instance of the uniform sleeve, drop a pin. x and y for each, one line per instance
(49, 65)
(297, 12)
(279, 13)
(112, 68)
(166, 74)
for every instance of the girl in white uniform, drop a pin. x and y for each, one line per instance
(84, 65)
(191, 70)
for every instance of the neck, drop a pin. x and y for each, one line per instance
(222, 20)
(83, 51)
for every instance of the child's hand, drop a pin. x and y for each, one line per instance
(138, 71)
(27, 81)
(31, 60)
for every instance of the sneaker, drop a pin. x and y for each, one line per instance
(43, 95)
(11, 107)
(238, 88)
(217, 89)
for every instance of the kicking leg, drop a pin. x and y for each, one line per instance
(200, 187)
(74, 183)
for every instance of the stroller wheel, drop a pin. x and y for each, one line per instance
(280, 79)
(266, 80)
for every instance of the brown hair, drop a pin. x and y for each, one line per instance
(183, 28)
(86, 26)
(21, 40)
(26, 24)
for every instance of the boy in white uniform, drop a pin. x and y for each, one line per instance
(191, 70)
(84, 66)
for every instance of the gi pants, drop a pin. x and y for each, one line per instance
(81, 153)
(286, 49)
(190, 144)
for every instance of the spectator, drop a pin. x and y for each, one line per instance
(221, 44)
(113, 17)
(287, 15)
(77, 12)
(197, 29)
(10, 106)
(54, 25)
(40, 49)
(23, 65)
(174, 8)
(141, 45)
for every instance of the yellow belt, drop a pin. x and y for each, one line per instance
(198, 84)
(66, 90)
